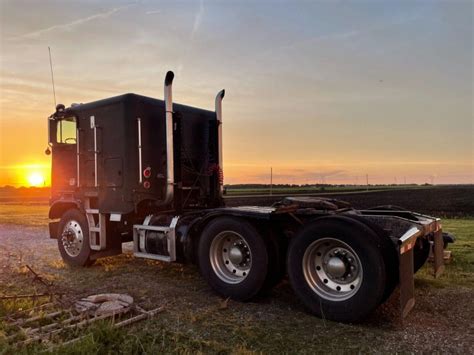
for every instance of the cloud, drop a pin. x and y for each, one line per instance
(152, 12)
(68, 26)
(353, 33)
(196, 25)
(198, 19)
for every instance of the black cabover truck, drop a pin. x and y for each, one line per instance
(134, 168)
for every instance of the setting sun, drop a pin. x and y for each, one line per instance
(36, 179)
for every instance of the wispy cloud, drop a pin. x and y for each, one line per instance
(152, 12)
(198, 19)
(70, 25)
(196, 25)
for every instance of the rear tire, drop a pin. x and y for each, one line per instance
(233, 258)
(389, 254)
(337, 269)
(73, 239)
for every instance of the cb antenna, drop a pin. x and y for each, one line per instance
(52, 76)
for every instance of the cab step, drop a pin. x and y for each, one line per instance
(97, 227)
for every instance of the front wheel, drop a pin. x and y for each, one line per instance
(73, 239)
(337, 269)
(233, 258)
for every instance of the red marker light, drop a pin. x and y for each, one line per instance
(147, 172)
(146, 185)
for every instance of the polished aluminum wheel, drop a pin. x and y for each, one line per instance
(230, 256)
(332, 269)
(72, 238)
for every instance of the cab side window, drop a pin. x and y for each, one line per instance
(66, 131)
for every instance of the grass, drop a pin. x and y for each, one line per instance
(461, 269)
(24, 214)
(219, 333)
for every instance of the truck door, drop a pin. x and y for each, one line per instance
(64, 142)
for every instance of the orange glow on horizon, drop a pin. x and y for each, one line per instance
(26, 175)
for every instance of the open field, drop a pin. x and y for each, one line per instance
(450, 201)
(196, 319)
(238, 190)
(31, 195)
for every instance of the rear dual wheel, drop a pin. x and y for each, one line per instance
(335, 265)
(332, 269)
(337, 269)
(236, 260)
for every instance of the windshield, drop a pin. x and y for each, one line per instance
(66, 131)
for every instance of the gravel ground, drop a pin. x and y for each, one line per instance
(441, 321)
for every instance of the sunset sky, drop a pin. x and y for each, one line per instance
(321, 91)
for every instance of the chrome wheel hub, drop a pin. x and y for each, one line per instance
(332, 269)
(72, 238)
(336, 267)
(236, 255)
(230, 257)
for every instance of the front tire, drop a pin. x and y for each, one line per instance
(337, 269)
(233, 258)
(73, 239)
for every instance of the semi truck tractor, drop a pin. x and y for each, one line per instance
(137, 169)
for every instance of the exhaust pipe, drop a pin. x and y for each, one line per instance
(169, 138)
(218, 105)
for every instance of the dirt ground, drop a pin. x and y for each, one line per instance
(196, 319)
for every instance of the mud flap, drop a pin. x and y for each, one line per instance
(438, 253)
(407, 281)
(53, 230)
(406, 265)
(406, 270)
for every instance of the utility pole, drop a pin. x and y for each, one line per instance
(367, 181)
(271, 180)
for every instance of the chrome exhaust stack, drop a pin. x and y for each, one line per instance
(218, 108)
(169, 138)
